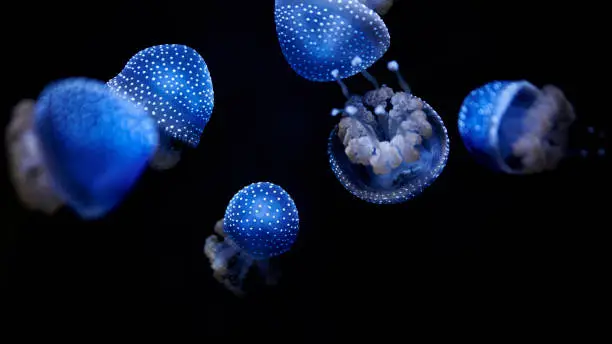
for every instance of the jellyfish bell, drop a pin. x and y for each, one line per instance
(261, 222)
(318, 36)
(172, 83)
(516, 128)
(78, 145)
(389, 146)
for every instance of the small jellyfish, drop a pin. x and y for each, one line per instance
(389, 146)
(78, 145)
(172, 83)
(318, 36)
(380, 6)
(516, 128)
(261, 222)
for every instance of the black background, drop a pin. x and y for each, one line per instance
(477, 251)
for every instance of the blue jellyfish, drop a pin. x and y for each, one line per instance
(172, 83)
(516, 128)
(389, 146)
(261, 222)
(79, 144)
(318, 36)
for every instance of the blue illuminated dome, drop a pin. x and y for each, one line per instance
(172, 83)
(94, 144)
(262, 220)
(514, 127)
(319, 36)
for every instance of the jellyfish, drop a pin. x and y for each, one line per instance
(380, 6)
(388, 146)
(261, 222)
(516, 128)
(318, 36)
(172, 83)
(78, 145)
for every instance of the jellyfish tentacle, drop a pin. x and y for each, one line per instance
(356, 62)
(335, 73)
(393, 66)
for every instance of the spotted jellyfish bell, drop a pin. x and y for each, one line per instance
(172, 83)
(78, 145)
(516, 128)
(318, 36)
(380, 6)
(261, 222)
(389, 146)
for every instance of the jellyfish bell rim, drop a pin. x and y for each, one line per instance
(404, 193)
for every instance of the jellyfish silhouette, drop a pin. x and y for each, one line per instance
(389, 146)
(261, 222)
(318, 36)
(516, 128)
(78, 145)
(172, 83)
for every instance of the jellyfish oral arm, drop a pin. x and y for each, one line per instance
(390, 145)
(27, 169)
(543, 142)
(230, 264)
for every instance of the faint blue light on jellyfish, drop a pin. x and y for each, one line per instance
(261, 222)
(172, 83)
(380, 6)
(389, 146)
(514, 127)
(79, 145)
(318, 36)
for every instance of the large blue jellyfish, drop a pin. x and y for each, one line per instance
(79, 144)
(318, 36)
(172, 83)
(389, 146)
(261, 222)
(513, 127)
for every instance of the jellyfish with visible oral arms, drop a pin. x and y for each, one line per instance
(172, 83)
(318, 36)
(78, 145)
(514, 127)
(389, 146)
(261, 222)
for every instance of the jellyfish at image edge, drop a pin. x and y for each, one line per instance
(318, 36)
(261, 222)
(389, 146)
(516, 128)
(172, 83)
(380, 6)
(78, 145)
